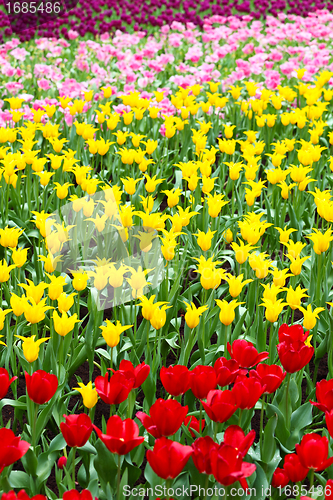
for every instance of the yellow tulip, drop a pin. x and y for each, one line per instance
(227, 310)
(310, 316)
(30, 347)
(89, 395)
(193, 313)
(64, 324)
(111, 332)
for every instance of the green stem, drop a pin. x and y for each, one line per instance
(215, 430)
(262, 422)
(7, 200)
(168, 486)
(189, 346)
(233, 198)
(76, 328)
(311, 477)
(73, 467)
(206, 486)
(226, 332)
(135, 325)
(318, 290)
(240, 417)
(287, 395)
(61, 355)
(118, 477)
(34, 428)
(148, 347)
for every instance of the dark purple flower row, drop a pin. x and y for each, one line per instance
(98, 16)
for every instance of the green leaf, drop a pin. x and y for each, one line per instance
(89, 448)
(57, 444)
(293, 392)
(45, 465)
(50, 494)
(123, 482)
(299, 419)
(149, 388)
(29, 461)
(171, 339)
(151, 477)
(238, 328)
(269, 444)
(19, 479)
(260, 484)
(281, 431)
(105, 465)
(12, 402)
(43, 418)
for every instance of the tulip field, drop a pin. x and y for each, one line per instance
(166, 256)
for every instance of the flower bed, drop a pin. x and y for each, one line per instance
(93, 18)
(165, 262)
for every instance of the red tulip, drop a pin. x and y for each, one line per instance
(293, 467)
(62, 462)
(202, 448)
(12, 448)
(294, 356)
(329, 489)
(235, 437)
(168, 458)
(312, 452)
(139, 372)
(247, 392)
(115, 390)
(228, 466)
(166, 416)
(220, 405)
(324, 395)
(41, 386)
(292, 333)
(175, 379)
(121, 435)
(245, 353)
(21, 495)
(5, 382)
(226, 371)
(194, 424)
(270, 376)
(329, 421)
(77, 429)
(280, 478)
(75, 495)
(203, 380)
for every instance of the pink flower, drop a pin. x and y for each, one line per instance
(19, 54)
(72, 34)
(14, 87)
(43, 84)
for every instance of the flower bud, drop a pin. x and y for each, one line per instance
(62, 462)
